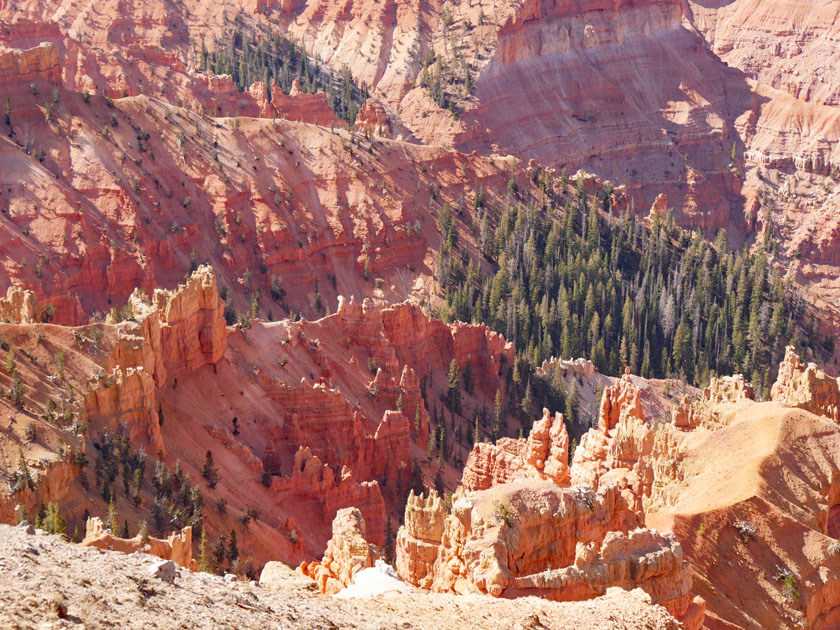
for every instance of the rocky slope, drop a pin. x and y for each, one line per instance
(305, 417)
(105, 196)
(755, 500)
(63, 585)
(124, 166)
(687, 100)
(720, 473)
(292, 384)
(727, 109)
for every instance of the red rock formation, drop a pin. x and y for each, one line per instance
(244, 454)
(688, 414)
(680, 120)
(373, 119)
(691, 413)
(302, 107)
(806, 387)
(178, 332)
(318, 443)
(618, 450)
(184, 328)
(534, 538)
(178, 547)
(429, 344)
(779, 46)
(35, 64)
(620, 400)
(315, 481)
(92, 236)
(728, 389)
(543, 455)
(348, 552)
(659, 206)
(20, 306)
(219, 96)
(758, 491)
(126, 398)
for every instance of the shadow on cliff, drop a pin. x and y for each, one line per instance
(656, 114)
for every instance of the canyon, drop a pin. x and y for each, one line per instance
(266, 306)
(721, 490)
(706, 118)
(329, 414)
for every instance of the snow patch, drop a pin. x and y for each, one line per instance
(374, 581)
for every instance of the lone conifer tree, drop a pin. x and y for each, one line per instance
(203, 561)
(454, 388)
(233, 550)
(210, 472)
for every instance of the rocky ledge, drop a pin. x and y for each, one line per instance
(52, 583)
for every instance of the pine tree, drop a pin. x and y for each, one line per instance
(468, 375)
(390, 541)
(138, 483)
(203, 561)
(112, 518)
(498, 415)
(144, 532)
(210, 472)
(572, 402)
(219, 553)
(431, 447)
(53, 521)
(454, 398)
(24, 479)
(125, 530)
(233, 550)
(439, 482)
(528, 402)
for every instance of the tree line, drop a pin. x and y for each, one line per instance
(573, 279)
(249, 56)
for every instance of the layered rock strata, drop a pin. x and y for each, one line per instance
(534, 538)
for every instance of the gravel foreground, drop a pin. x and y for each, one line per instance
(48, 583)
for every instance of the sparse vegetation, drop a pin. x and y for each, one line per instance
(502, 512)
(250, 56)
(746, 530)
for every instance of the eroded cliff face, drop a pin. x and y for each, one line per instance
(177, 547)
(535, 538)
(544, 455)
(618, 450)
(104, 196)
(785, 46)
(184, 329)
(678, 475)
(806, 387)
(330, 413)
(698, 103)
(348, 552)
(757, 493)
(302, 418)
